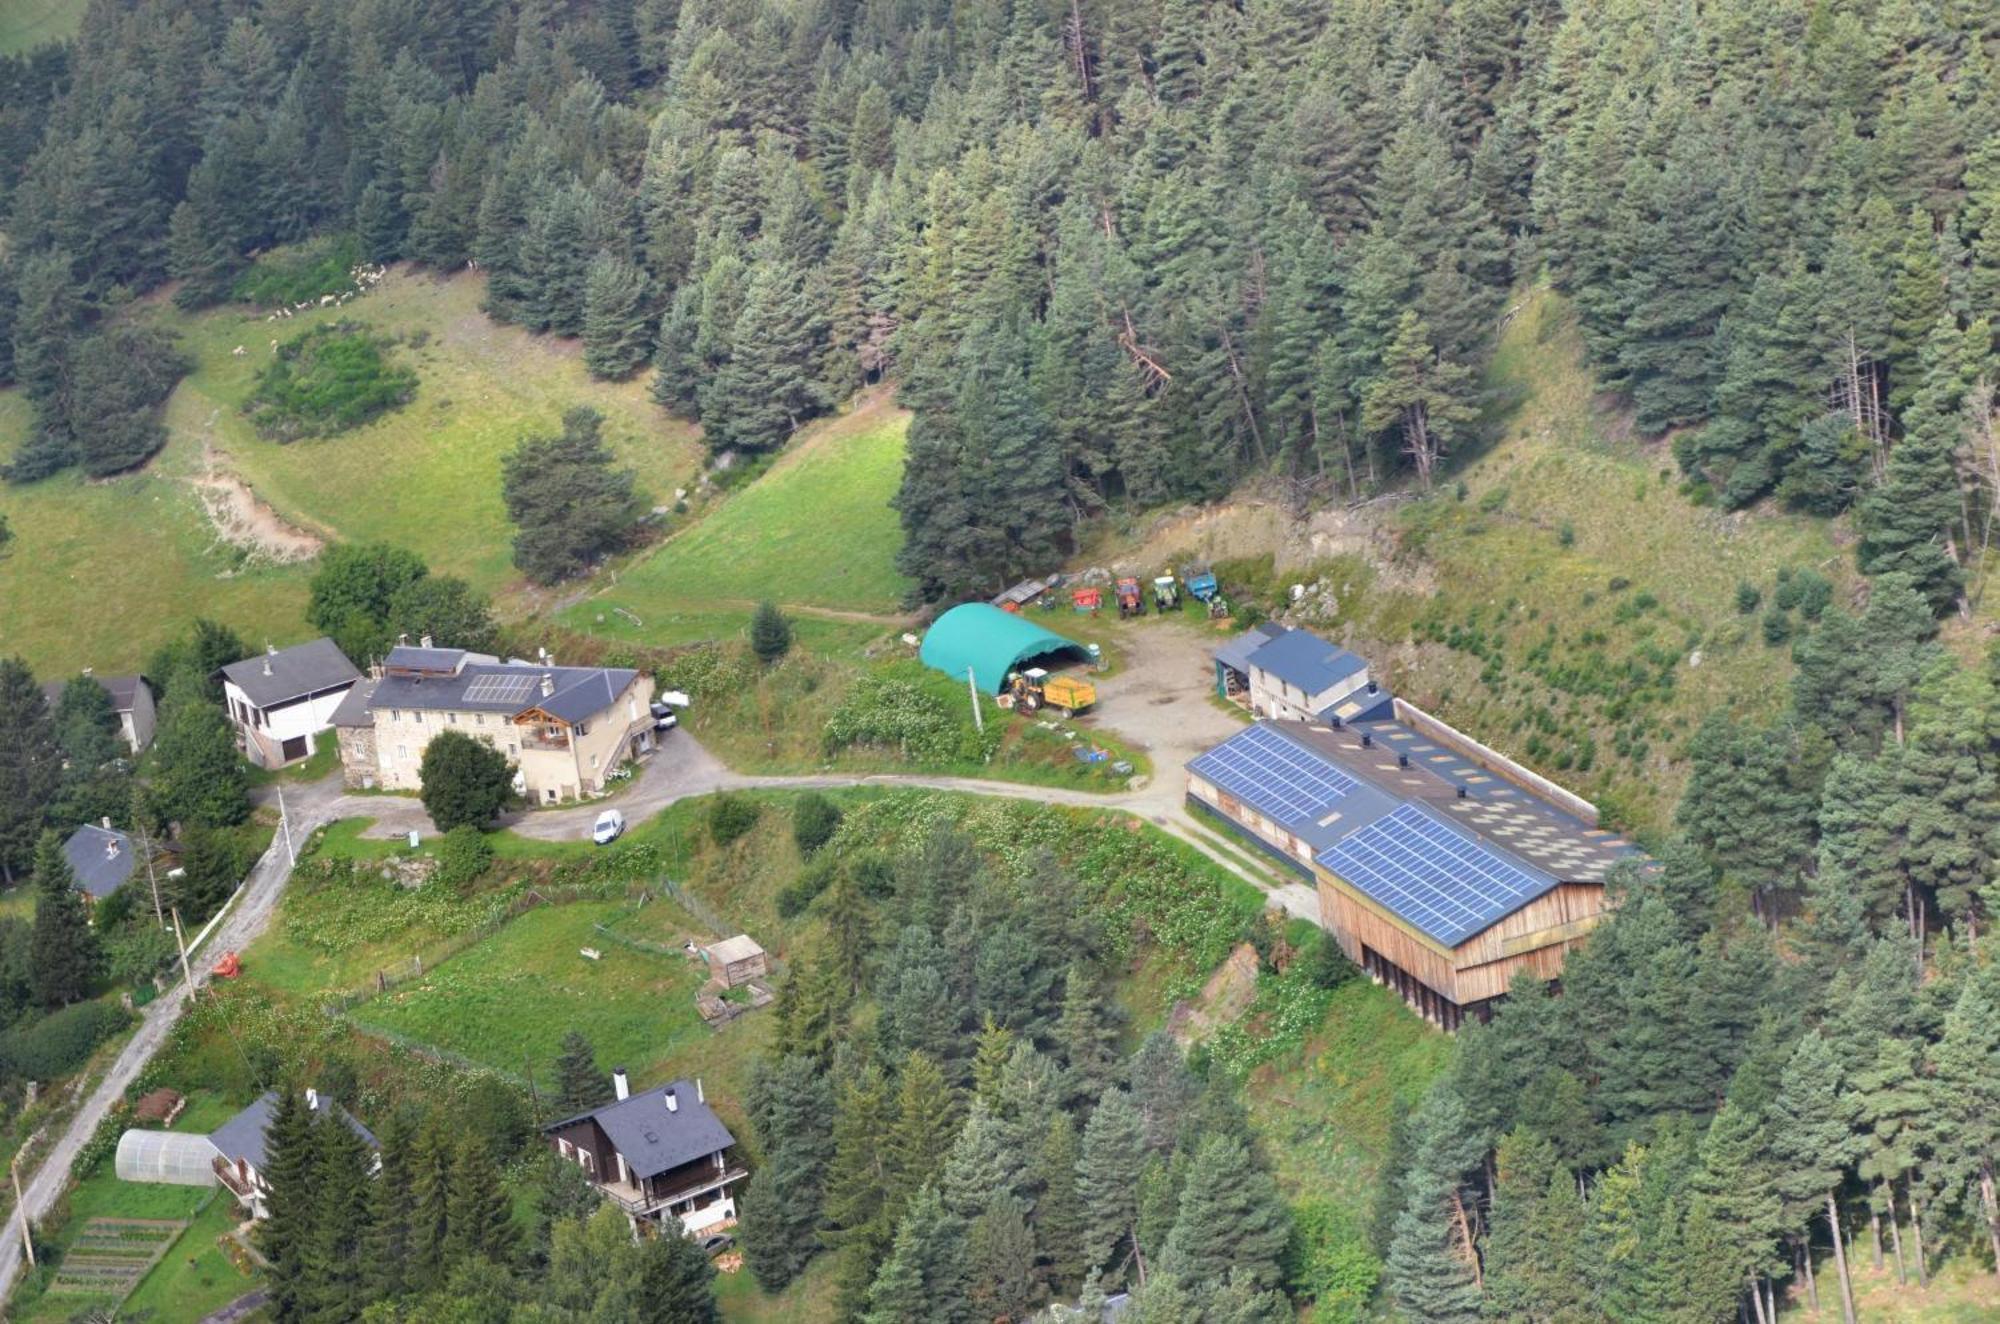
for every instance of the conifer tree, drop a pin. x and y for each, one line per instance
(925, 1126)
(1059, 1217)
(1088, 1035)
(618, 318)
(30, 765)
(65, 959)
(580, 1083)
(924, 1280)
(1107, 1179)
(478, 1216)
(1538, 1222)
(1961, 1126)
(1420, 396)
(286, 1236)
(199, 776)
(1815, 1139)
(1431, 1268)
(792, 1107)
(986, 1165)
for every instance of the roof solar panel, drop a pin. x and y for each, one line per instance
(1264, 769)
(499, 689)
(1444, 882)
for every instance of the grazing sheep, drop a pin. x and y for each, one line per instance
(238, 351)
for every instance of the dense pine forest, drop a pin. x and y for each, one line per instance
(1112, 251)
(1122, 253)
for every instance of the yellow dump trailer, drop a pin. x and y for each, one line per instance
(1036, 688)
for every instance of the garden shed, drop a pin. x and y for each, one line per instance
(991, 642)
(736, 961)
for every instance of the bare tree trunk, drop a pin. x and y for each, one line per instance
(1465, 1234)
(1803, 1252)
(1917, 1239)
(1991, 1205)
(1771, 1299)
(1757, 1300)
(1840, 1260)
(1243, 395)
(1895, 1232)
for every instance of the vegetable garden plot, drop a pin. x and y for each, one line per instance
(111, 1255)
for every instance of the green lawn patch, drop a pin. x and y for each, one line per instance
(816, 530)
(331, 379)
(90, 1248)
(808, 1300)
(195, 1278)
(26, 24)
(300, 273)
(507, 1002)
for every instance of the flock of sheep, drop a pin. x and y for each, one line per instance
(365, 278)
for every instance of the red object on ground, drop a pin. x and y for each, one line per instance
(228, 967)
(1087, 599)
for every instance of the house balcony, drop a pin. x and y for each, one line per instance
(245, 1190)
(648, 1199)
(538, 738)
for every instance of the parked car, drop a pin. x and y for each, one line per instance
(610, 824)
(717, 1242)
(665, 721)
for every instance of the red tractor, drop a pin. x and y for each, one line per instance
(1131, 601)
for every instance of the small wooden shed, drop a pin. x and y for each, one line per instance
(736, 961)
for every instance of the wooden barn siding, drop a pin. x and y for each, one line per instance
(1533, 938)
(1250, 821)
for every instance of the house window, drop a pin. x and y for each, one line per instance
(396, 714)
(479, 719)
(593, 761)
(402, 751)
(513, 748)
(565, 1148)
(452, 718)
(583, 728)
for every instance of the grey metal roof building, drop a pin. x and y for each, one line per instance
(101, 859)
(450, 679)
(272, 677)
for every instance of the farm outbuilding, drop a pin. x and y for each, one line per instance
(991, 642)
(736, 961)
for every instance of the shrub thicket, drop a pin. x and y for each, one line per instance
(730, 818)
(59, 1043)
(328, 380)
(814, 821)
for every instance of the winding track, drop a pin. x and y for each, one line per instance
(681, 769)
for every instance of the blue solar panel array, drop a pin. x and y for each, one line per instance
(1262, 768)
(1444, 882)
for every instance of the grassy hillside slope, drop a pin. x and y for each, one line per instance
(26, 24)
(100, 572)
(814, 531)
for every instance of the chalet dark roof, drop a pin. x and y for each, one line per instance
(291, 673)
(1302, 658)
(124, 690)
(1235, 652)
(509, 688)
(415, 657)
(100, 858)
(652, 1139)
(242, 1136)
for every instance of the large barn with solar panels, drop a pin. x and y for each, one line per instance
(1443, 868)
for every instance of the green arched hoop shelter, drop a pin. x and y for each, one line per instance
(990, 641)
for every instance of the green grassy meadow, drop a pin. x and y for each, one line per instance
(814, 531)
(511, 999)
(181, 1292)
(99, 573)
(26, 24)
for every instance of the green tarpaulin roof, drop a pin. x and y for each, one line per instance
(990, 641)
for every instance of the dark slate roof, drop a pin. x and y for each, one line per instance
(124, 690)
(653, 1139)
(99, 869)
(508, 688)
(1302, 658)
(1235, 652)
(242, 1136)
(302, 669)
(353, 709)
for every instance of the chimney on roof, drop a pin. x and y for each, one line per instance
(1367, 741)
(111, 848)
(424, 640)
(106, 821)
(673, 1104)
(1335, 719)
(403, 639)
(1372, 687)
(1402, 760)
(269, 653)
(619, 1085)
(1461, 792)
(548, 684)
(700, 1094)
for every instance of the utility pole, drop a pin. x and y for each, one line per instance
(972, 688)
(20, 1205)
(152, 879)
(285, 822)
(186, 973)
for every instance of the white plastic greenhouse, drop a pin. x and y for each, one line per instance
(171, 1158)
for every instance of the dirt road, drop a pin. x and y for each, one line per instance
(246, 918)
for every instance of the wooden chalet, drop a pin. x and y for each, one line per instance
(660, 1154)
